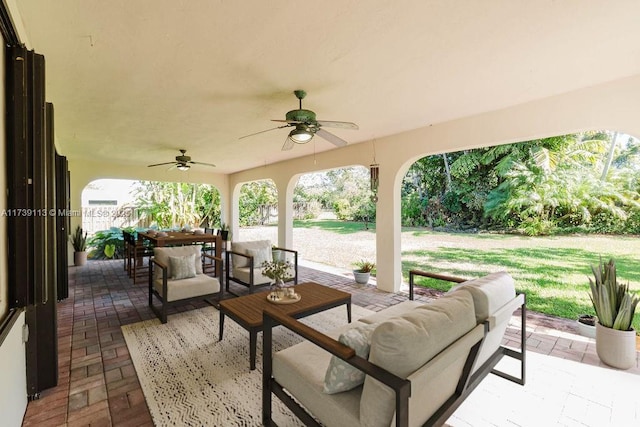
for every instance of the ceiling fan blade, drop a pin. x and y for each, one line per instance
(263, 131)
(291, 122)
(341, 125)
(161, 164)
(201, 163)
(335, 140)
(175, 165)
(288, 144)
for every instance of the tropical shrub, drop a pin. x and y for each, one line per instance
(101, 242)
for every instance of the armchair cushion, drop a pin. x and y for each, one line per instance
(162, 256)
(243, 247)
(260, 256)
(244, 274)
(403, 344)
(182, 267)
(192, 287)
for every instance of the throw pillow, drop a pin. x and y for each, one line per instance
(260, 256)
(182, 267)
(340, 375)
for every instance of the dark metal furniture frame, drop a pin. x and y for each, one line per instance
(252, 285)
(402, 387)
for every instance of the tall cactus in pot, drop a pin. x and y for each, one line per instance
(612, 301)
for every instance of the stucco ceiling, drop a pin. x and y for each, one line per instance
(135, 80)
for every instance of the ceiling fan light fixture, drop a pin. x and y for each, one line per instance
(183, 167)
(301, 134)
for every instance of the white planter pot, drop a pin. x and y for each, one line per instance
(79, 258)
(278, 255)
(361, 278)
(616, 348)
(586, 330)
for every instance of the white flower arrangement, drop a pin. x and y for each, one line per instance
(277, 270)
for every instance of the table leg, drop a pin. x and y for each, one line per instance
(221, 324)
(349, 312)
(253, 341)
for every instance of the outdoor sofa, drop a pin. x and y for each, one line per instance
(421, 360)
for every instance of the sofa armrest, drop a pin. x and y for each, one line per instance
(273, 317)
(413, 273)
(165, 278)
(218, 267)
(505, 312)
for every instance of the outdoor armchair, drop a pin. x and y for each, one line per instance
(244, 263)
(176, 276)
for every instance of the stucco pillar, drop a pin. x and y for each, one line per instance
(285, 211)
(233, 210)
(388, 257)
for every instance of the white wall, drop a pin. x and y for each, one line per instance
(13, 372)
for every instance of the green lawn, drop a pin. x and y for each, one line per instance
(552, 271)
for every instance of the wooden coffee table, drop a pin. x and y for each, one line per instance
(246, 311)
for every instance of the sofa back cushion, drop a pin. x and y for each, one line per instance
(489, 293)
(263, 246)
(405, 343)
(162, 255)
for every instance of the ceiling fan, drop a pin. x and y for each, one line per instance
(182, 162)
(306, 126)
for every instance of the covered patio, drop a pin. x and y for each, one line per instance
(567, 383)
(134, 82)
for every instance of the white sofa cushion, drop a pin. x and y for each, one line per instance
(300, 369)
(340, 375)
(393, 311)
(242, 247)
(162, 256)
(489, 293)
(404, 344)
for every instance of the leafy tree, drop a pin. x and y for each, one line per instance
(536, 186)
(171, 204)
(253, 196)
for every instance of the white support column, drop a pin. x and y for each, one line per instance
(285, 211)
(233, 209)
(388, 237)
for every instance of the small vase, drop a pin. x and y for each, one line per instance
(278, 287)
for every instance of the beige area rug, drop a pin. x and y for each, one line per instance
(190, 378)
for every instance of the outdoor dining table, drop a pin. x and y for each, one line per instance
(177, 238)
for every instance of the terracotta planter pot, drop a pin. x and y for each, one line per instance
(616, 348)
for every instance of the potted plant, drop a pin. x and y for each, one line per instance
(224, 231)
(278, 271)
(615, 306)
(79, 242)
(587, 325)
(362, 272)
